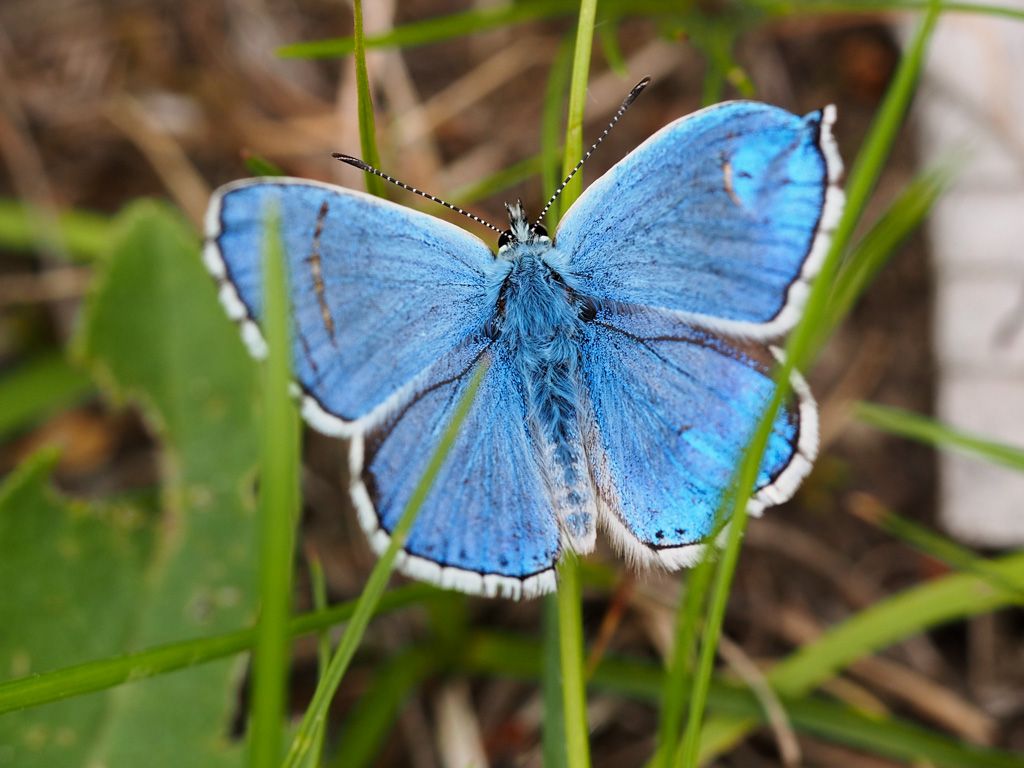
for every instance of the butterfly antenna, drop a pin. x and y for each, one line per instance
(637, 89)
(355, 161)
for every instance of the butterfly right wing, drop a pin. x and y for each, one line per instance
(379, 292)
(487, 525)
(672, 408)
(721, 218)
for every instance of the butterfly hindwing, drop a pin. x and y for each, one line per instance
(378, 291)
(487, 525)
(723, 215)
(673, 408)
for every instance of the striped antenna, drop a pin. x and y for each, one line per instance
(355, 161)
(637, 89)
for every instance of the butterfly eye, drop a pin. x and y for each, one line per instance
(540, 230)
(504, 239)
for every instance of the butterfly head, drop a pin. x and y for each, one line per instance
(519, 228)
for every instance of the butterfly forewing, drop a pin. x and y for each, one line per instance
(723, 215)
(378, 292)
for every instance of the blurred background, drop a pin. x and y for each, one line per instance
(127, 437)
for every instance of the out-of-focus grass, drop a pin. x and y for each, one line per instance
(875, 627)
(440, 28)
(932, 544)
(926, 430)
(367, 128)
(511, 656)
(866, 259)
(82, 235)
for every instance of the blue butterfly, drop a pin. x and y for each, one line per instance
(628, 356)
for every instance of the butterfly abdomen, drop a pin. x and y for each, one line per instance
(541, 329)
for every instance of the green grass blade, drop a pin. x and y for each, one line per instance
(81, 235)
(366, 728)
(514, 657)
(872, 253)
(38, 388)
(686, 755)
(578, 100)
(574, 689)
(80, 679)
(862, 181)
(570, 619)
(323, 649)
(278, 506)
(367, 130)
(680, 666)
(496, 182)
(935, 545)
(375, 585)
(260, 166)
(914, 426)
(553, 726)
(888, 621)
(551, 127)
(437, 29)
(806, 7)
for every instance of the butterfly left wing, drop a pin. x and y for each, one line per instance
(379, 292)
(721, 217)
(488, 525)
(672, 408)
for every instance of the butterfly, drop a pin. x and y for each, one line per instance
(628, 356)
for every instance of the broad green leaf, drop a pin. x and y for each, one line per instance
(154, 334)
(71, 575)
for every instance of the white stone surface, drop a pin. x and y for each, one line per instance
(972, 98)
(983, 503)
(975, 318)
